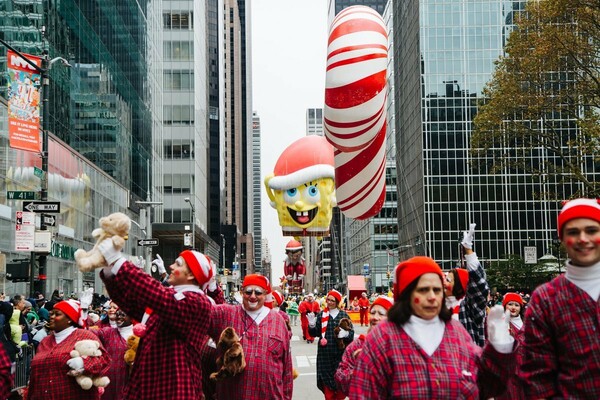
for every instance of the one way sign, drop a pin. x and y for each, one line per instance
(148, 242)
(42, 206)
(48, 220)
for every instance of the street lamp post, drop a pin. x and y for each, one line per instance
(187, 200)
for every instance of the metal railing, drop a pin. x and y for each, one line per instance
(22, 367)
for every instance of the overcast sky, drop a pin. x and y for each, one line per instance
(289, 45)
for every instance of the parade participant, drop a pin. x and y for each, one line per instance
(265, 341)
(561, 345)
(345, 371)
(422, 352)
(276, 305)
(467, 291)
(292, 311)
(513, 303)
(167, 362)
(48, 377)
(363, 306)
(114, 341)
(308, 307)
(329, 355)
(110, 318)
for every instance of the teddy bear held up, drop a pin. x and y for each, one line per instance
(115, 226)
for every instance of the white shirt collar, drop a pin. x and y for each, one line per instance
(62, 335)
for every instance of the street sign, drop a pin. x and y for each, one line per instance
(24, 231)
(530, 254)
(42, 206)
(148, 242)
(366, 269)
(48, 220)
(18, 195)
(38, 172)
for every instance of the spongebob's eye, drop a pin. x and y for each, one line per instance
(312, 194)
(291, 195)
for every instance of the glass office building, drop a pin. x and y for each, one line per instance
(444, 54)
(102, 105)
(104, 121)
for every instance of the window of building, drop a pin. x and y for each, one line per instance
(178, 80)
(178, 50)
(178, 20)
(182, 115)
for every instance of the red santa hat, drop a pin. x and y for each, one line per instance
(508, 297)
(278, 297)
(383, 301)
(198, 264)
(269, 300)
(578, 208)
(71, 308)
(410, 270)
(293, 245)
(257, 280)
(337, 295)
(308, 158)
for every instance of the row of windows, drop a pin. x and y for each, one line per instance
(178, 80)
(178, 50)
(178, 115)
(178, 20)
(178, 215)
(177, 183)
(178, 149)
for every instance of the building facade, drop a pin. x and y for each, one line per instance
(105, 114)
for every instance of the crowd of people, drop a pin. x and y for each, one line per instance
(440, 335)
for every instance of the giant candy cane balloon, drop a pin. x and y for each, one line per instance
(355, 109)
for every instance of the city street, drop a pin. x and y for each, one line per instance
(304, 357)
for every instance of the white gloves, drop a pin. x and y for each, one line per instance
(75, 363)
(312, 319)
(110, 254)
(343, 333)
(498, 331)
(160, 264)
(468, 237)
(85, 298)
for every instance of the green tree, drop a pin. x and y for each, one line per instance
(543, 99)
(513, 274)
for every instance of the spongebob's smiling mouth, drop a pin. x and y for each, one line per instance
(303, 217)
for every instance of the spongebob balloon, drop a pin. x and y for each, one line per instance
(302, 188)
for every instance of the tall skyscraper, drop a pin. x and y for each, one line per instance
(186, 130)
(238, 145)
(257, 188)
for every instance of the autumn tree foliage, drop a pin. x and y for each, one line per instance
(541, 108)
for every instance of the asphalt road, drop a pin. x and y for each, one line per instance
(304, 356)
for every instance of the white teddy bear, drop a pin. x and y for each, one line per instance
(115, 226)
(84, 349)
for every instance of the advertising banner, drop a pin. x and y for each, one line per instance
(23, 102)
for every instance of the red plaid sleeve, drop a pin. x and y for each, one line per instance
(5, 375)
(139, 290)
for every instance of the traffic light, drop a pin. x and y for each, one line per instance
(18, 271)
(226, 271)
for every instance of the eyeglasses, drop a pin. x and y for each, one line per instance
(256, 292)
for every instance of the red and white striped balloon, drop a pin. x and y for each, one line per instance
(355, 109)
(355, 95)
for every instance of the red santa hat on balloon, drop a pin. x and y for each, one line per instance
(308, 158)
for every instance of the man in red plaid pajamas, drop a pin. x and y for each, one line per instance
(167, 363)
(264, 338)
(561, 355)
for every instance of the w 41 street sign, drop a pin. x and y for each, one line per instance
(18, 195)
(42, 206)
